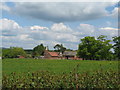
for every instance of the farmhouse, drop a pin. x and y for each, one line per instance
(51, 55)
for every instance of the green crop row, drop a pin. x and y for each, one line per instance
(44, 79)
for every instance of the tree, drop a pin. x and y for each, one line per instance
(59, 48)
(116, 46)
(87, 48)
(38, 50)
(6, 53)
(13, 52)
(104, 48)
(91, 48)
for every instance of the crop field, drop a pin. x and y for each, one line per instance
(41, 73)
(55, 66)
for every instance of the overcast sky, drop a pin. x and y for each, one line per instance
(27, 24)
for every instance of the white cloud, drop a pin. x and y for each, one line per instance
(67, 38)
(25, 37)
(38, 27)
(7, 24)
(12, 32)
(109, 28)
(62, 12)
(9, 27)
(15, 35)
(86, 29)
(108, 31)
(60, 27)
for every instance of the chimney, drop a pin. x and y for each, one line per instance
(47, 48)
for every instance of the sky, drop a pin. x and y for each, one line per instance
(28, 24)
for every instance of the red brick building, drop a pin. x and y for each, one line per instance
(51, 55)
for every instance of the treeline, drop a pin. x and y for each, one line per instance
(90, 48)
(13, 52)
(99, 48)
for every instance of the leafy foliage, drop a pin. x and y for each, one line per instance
(0, 52)
(38, 50)
(95, 49)
(116, 46)
(45, 79)
(59, 48)
(13, 52)
(29, 74)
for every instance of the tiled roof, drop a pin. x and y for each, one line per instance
(69, 53)
(54, 53)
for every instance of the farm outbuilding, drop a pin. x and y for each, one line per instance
(69, 54)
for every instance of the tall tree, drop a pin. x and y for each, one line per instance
(116, 46)
(91, 48)
(87, 48)
(59, 48)
(38, 50)
(104, 47)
